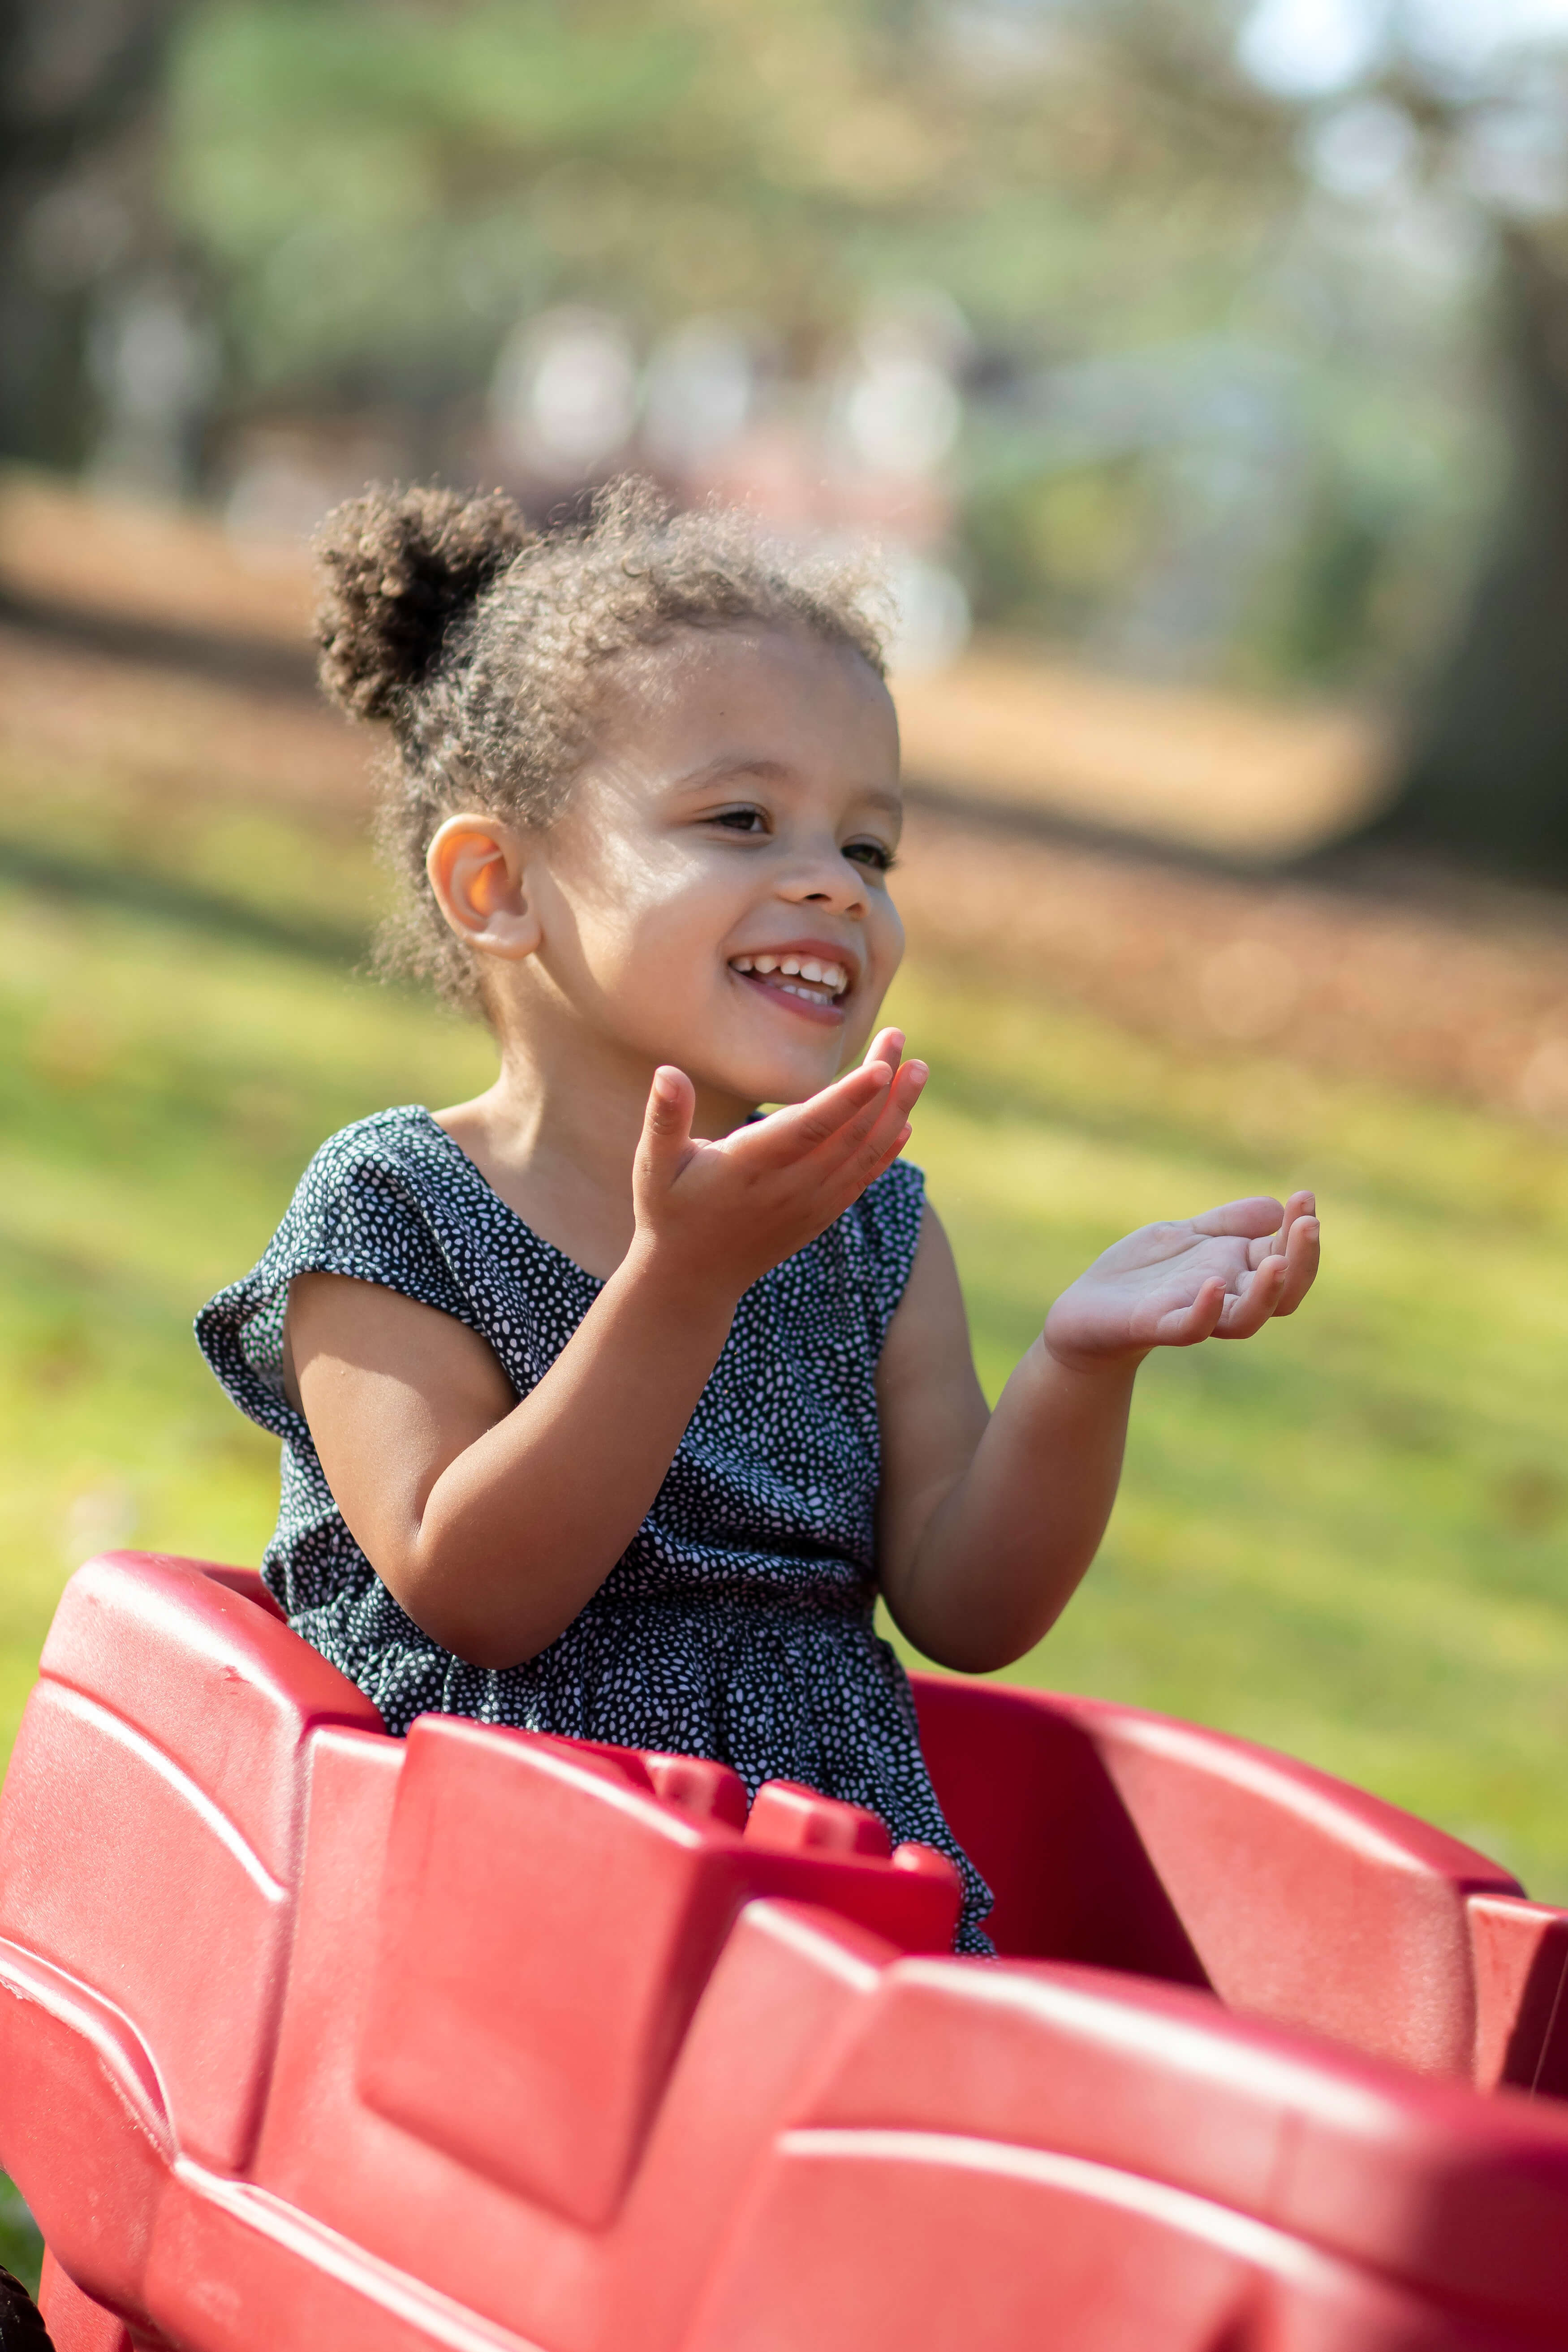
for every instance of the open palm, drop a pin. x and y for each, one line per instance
(1218, 1276)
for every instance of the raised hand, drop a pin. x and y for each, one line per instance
(725, 1212)
(1218, 1276)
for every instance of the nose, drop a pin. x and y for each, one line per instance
(821, 876)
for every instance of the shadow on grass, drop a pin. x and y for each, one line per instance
(169, 899)
(156, 645)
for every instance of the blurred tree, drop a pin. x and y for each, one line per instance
(1487, 773)
(1442, 127)
(78, 83)
(375, 176)
(388, 187)
(385, 189)
(1223, 411)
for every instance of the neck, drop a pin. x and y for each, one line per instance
(555, 1137)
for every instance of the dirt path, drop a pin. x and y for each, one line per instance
(1393, 975)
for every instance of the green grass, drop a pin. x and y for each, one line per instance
(1345, 1538)
(21, 2246)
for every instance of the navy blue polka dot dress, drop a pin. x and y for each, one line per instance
(737, 1624)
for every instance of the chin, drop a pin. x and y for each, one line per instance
(774, 1081)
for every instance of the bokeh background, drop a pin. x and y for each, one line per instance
(1201, 367)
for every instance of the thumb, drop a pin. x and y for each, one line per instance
(666, 1125)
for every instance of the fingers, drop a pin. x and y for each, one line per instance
(1300, 1204)
(872, 1140)
(887, 1046)
(1249, 1220)
(667, 1122)
(862, 1109)
(1300, 1210)
(1302, 1249)
(868, 1165)
(1247, 1311)
(800, 1128)
(867, 1144)
(887, 1125)
(1281, 1263)
(844, 1137)
(1187, 1327)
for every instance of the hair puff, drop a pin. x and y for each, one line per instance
(401, 572)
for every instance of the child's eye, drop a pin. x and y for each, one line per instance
(741, 820)
(870, 853)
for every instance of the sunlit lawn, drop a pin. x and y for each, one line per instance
(1346, 1537)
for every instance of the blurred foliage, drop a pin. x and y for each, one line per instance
(379, 189)
(380, 177)
(395, 184)
(77, 87)
(1345, 1542)
(1223, 410)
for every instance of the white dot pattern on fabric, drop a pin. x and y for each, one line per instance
(738, 1623)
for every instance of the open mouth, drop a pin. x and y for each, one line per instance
(811, 979)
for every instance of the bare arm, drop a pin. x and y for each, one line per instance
(988, 1520)
(988, 1524)
(493, 1520)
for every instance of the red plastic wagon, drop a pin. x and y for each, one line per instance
(319, 2041)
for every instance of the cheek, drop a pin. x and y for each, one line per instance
(651, 919)
(885, 939)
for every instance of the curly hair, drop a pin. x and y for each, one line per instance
(487, 649)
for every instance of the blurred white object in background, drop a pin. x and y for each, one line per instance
(154, 366)
(286, 478)
(901, 415)
(900, 410)
(1464, 38)
(698, 392)
(1514, 154)
(1310, 49)
(275, 504)
(931, 627)
(1362, 150)
(564, 395)
(1313, 48)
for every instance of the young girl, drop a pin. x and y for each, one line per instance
(609, 1406)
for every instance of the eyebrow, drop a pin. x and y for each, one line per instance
(730, 764)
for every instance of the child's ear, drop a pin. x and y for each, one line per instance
(477, 869)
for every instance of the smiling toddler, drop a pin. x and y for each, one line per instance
(609, 1406)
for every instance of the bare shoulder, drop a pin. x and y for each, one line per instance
(930, 1406)
(929, 1335)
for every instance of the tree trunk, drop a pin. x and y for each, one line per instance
(1488, 776)
(77, 76)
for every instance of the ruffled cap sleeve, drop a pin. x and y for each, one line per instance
(360, 1209)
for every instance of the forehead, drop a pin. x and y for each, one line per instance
(778, 697)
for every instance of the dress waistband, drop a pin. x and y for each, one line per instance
(852, 1604)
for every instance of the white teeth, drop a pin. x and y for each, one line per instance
(833, 978)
